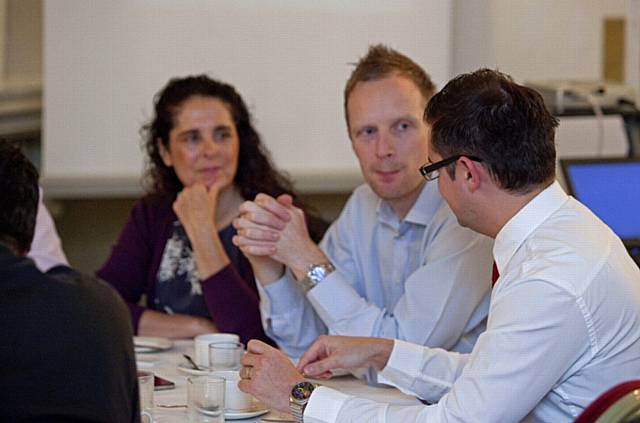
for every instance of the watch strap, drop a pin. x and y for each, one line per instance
(298, 399)
(316, 274)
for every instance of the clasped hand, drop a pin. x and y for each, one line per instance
(275, 228)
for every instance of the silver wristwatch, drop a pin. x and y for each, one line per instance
(298, 399)
(315, 275)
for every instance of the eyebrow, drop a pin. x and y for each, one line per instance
(409, 117)
(218, 128)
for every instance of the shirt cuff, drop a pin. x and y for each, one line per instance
(403, 366)
(324, 405)
(280, 296)
(334, 299)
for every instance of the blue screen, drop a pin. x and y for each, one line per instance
(612, 191)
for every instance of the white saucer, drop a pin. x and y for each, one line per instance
(187, 369)
(146, 344)
(255, 411)
(258, 409)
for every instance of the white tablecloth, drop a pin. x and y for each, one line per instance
(164, 364)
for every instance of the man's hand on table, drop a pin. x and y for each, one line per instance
(268, 375)
(344, 352)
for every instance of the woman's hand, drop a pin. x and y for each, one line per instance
(196, 208)
(156, 323)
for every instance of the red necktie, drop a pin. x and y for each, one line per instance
(494, 274)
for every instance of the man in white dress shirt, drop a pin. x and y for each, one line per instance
(564, 320)
(395, 264)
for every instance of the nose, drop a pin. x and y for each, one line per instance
(385, 145)
(208, 146)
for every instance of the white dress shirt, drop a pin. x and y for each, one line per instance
(46, 248)
(424, 279)
(563, 327)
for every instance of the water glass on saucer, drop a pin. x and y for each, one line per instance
(205, 399)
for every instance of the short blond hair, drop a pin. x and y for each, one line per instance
(382, 61)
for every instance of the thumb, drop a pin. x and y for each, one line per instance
(285, 199)
(257, 347)
(321, 367)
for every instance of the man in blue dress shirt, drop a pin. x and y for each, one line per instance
(395, 264)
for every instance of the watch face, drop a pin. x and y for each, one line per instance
(302, 390)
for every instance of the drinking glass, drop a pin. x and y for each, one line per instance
(145, 387)
(225, 355)
(205, 399)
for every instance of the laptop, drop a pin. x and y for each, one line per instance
(610, 187)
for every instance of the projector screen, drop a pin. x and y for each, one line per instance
(105, 60)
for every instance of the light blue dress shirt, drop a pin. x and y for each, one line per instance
(424, 279)
(564, 326)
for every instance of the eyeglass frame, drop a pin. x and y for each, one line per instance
(427, 168)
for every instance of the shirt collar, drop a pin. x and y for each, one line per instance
(421, 213)
(523, 223)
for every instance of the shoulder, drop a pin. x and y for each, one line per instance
(150, 214)
(93, 293)
(153, 207)
(574, 239)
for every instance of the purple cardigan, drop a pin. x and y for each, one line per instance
(230, 294)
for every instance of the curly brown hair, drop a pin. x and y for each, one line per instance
(256, 173)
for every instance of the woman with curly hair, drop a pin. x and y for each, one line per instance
(204, 158)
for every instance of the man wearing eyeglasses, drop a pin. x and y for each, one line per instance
(395, 264)
(564, 320)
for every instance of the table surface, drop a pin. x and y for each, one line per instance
(164, 364)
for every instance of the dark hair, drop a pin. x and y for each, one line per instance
(255, 173)
(381, 62)
(487, 115)
(18, 199)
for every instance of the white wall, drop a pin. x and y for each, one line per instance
(104, 61)
(532, 40)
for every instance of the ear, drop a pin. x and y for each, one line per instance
(164, 153)
(471, 173)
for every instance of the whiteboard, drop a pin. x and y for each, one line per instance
(289, 59)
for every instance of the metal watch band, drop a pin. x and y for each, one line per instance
(297, 411)
(298, 399)
(316, 273)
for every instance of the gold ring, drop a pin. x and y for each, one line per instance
(247, 372)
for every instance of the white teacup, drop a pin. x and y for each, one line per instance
(235, 399)
(201, 345)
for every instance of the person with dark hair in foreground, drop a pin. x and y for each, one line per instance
(67, 352)
(564, 319)
(204, 159)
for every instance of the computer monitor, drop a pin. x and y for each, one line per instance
(610, 187)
